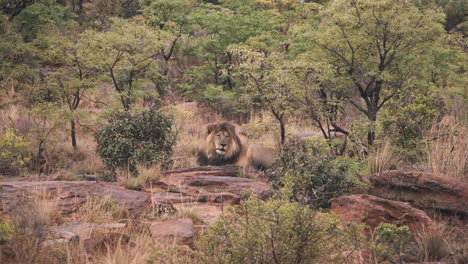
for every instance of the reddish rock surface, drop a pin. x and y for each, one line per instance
(373, 210)
(423, 190)
(180, 231)
(73, 194)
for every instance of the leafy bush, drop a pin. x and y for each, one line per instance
(390, 240)
(312, 175)
(13, 152)
(5, 231)
(274, 231)
(145, 137)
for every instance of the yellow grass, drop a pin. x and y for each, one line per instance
(447, 149)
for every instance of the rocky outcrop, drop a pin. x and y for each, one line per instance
(423, 190)
(207, 189)
(180, 231)
(373, 210)
(73, 194)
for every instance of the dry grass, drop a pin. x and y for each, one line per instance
(98, 210)
(135, 253)
(434, 245)
(381, 158)
(191, 122)
(447, 152)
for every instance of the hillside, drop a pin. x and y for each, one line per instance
(106, 120)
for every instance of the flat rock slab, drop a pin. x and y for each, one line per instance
(423, 190)
(73, 194)
(208, 213)
(207, 180)
(372, 210)
(180, 231)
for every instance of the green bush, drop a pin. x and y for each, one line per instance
(5, 231)
(14, 153)
(311, 174)
(390, 240)
(274, 231)
(145, 137)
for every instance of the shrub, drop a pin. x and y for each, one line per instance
(390, 240)
(274, 231)
(5, 231)
(13, 152)
(312, 175)
(145, 137)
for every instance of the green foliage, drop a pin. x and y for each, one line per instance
(126, 54)
(310, 174)
(5, 231)
(406, 121)
(390, 240)
(39, 16)
(274, 231)
(373, 50)
(14, 153)
(145, 137)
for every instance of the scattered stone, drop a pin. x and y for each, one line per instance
(423, 190)
(180, 231)
(373, 210)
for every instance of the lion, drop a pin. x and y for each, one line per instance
(224, 146)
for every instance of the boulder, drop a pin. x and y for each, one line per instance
(373, 210)
(180, 231)
(73, 194)
(423, 190)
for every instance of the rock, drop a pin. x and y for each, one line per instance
(61, 238)
(373, 210)
(180, 231)
(73, 194)
(423, 190)
(208, 213)
(86, 229)
(216, 184)
(106, 242)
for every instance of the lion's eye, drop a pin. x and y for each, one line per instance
(218, 136)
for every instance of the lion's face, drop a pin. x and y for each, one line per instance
(222, 141)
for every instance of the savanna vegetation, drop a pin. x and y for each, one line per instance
(122, 89)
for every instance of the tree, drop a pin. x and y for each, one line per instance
(127, 53)
(374, 49)
(269, 82)
(71, 75)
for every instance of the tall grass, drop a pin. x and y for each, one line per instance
(447, 149)
(381, 158)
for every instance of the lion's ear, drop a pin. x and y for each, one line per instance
(210, 128)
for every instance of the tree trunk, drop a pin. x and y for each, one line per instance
(283, 131)
(371, 132)
(73, 133)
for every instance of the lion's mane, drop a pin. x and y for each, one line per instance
(238, 152)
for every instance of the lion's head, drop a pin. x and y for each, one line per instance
(222, 145)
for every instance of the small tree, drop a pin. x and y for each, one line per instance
(126, 53)
(145, 137)
(375, 49)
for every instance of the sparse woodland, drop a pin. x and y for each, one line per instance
(104, 106)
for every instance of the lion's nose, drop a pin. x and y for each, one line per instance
(223, 144)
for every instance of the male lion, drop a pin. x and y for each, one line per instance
(224, 146)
